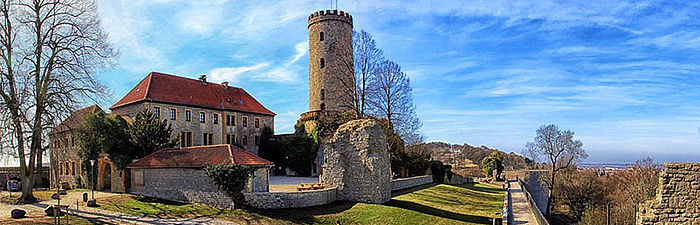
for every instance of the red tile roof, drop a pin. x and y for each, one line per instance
(199, 156)
(180, 90)
(75, 119)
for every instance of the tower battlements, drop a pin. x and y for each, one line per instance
(330, 15)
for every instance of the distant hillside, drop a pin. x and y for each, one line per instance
(466, 159)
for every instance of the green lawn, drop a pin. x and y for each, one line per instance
(430, 204)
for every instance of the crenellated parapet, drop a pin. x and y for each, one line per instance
(330, 15)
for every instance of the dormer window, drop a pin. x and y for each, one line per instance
(322, 36)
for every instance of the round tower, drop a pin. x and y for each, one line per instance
(331, 76)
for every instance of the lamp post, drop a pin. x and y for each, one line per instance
(92, 165)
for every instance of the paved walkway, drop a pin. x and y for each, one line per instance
(522, 212)
(103, 216)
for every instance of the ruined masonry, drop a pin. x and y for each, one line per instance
(358, 162)
(678, 198)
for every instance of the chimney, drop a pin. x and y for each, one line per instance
(203, 79)
(225, 83)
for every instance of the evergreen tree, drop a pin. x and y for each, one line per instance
(149, 134)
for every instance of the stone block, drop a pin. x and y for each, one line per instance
(18, 213)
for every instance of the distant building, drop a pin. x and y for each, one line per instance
(201, 112)
(63, 154)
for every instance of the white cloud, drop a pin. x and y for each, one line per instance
(234, 74)
(301, 49)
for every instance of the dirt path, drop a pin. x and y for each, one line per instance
(101, 216)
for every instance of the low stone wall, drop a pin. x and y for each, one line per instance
(178, 184)
(403, 183)
(678, 198)
(281, 200)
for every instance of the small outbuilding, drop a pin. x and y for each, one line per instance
(177, 174)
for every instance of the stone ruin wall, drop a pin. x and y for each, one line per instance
(678, 198)
(358, 162)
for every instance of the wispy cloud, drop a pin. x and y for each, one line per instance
(235, 74)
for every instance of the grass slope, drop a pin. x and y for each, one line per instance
(430, 204)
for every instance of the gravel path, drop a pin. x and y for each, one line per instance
(102, 216)
(522, 212)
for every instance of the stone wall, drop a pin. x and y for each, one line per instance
(678, 198)
(180, 185)
(358, 162)
(65, 162)
(403, 183)
(281, 200)
(532, 180)
(218, 131)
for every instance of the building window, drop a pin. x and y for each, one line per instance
(323, 63)
(229, 120)
(188, 115)
(67, 168)
(185, 139)
(173, 113)
(323, 94)
(156, 110)
(60, 169)
(207, 139)
(215, 119)
(202, 117)
(322, 36)
(72, 166)
(229, 139)
(257, 122)
(245, 140)
(72, 141)
(323, 106)
(245, 121)
(257, 140)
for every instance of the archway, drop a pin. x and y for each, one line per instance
(107, 185)
(104, 174)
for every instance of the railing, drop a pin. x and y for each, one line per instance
(538, 215)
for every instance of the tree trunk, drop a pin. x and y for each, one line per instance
(27, 187)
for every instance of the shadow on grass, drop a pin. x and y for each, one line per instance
(306, 215)
(411, 189)
(437, 212)
(472, 186)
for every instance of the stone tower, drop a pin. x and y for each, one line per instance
(330, 61)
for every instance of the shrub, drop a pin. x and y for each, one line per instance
(231, 179)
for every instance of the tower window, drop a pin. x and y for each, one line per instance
(323, 106)
(323, 94)
(322, 36)
(323, 63)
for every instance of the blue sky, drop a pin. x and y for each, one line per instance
(623, 75)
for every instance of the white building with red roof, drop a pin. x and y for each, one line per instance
(177, 174)
(201, 112)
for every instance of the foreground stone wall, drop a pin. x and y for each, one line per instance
(358, 162)
(403, 183)
(678, 198)
(281, 200)
(180, 185)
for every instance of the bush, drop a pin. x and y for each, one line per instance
(231, 179)
(438, 170)
(300, 152)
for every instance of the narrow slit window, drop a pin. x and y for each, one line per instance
(322, 36)
(323, 63)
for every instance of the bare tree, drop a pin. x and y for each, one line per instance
(367, 56)
(51, 50)
(559, 150)
(389, 96)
